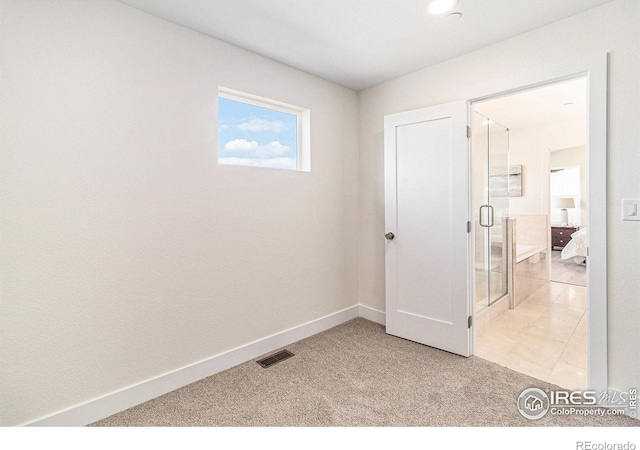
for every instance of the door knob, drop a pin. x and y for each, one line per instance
(389, 236)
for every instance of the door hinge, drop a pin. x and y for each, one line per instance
(468, 227)
(468, 131)
(469, 321)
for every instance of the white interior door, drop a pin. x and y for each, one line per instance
(426, 214)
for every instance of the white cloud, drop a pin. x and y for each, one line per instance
(250, 153)
(280, 163)
(241, 146)
(237, 161)
(253, 149)
(274, 163)
(255, 124)
(274, 148)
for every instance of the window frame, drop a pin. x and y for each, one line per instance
(303, 123)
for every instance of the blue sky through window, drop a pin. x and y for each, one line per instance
(250, 135)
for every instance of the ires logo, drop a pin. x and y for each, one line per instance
(573, 398)
(534, 403)
(592, 398)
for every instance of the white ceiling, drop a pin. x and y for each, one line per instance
(360, 43)
(539, 106)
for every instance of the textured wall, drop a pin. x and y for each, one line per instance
(611, 28)
(127, 252)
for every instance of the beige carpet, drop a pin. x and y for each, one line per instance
(354, 375)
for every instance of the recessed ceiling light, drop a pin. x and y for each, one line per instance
(568, 104)
(437, 7)
(454, 16)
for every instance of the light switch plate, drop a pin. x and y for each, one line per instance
(631, 209)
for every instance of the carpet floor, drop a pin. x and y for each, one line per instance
(355, 375)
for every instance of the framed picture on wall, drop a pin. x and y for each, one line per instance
(515, 181)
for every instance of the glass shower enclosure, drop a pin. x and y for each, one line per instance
(491, 209)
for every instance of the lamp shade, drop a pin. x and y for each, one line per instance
(564, 202)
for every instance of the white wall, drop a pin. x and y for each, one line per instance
(610, 28)
(530, 148)
(572, 157)
(127, 252)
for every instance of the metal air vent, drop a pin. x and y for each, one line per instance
(275, 358)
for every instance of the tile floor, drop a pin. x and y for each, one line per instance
(498, 288)
(544, 337)
(566, 270)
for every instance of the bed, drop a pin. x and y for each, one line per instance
(576, 249)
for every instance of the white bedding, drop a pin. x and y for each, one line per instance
(577, 247)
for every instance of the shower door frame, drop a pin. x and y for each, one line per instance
(487, 202)
(595, 69)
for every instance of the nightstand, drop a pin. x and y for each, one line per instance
(560, 236)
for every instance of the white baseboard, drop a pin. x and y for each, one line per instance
(374, 315)
(115, 402)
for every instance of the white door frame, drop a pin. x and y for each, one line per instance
(595, 69)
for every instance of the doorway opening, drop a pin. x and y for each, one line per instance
(568, 208)
(530, 209)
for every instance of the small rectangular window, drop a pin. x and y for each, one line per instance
(258, 132)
